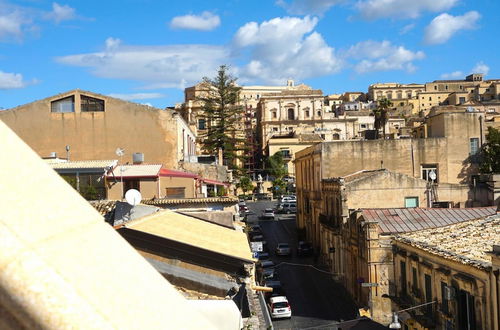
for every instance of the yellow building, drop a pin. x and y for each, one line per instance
(93, 126)
(456, 268)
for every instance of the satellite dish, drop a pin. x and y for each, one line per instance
(133, 197)
(119, 152)
(432, 175)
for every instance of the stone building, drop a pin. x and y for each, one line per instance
(93, 126)
(360, 253)
(456, 267)
(250, 96)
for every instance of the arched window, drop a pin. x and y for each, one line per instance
(336, 136)
(291, 114)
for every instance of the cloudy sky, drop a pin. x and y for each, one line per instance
(149, 51)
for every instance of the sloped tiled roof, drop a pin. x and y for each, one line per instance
(401, 220)
(466, 242)
(135, 171)
(177, 174)
(79, 164)
(195, 232)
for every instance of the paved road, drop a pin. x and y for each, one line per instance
(316, 300)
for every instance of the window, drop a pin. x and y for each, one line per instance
(202, 123)
(461, 100)
(411, 201)
(444, 301)
(414, 286)
(466, 312)
(428, 293)
(426, 171)
(91, 104)
(307, 113)
(176, 192)
(446, 87)
(131, 184)
(274, 114)
(363, 126)
(291, 114)
(430, 98)
(275, 129)
(286, 153)
(474, 146)
(402, 266)
(66, 104)
(319, 113)
(435, 87)
(408, 95)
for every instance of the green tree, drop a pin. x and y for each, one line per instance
(276, 167)
(245, 184)
(223, 114)
(490, 152)
(381, 115)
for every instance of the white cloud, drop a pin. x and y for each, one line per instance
(453, 75)
(61, 13)
(204, 22)
(480, 67)
(137, 96)
(375, 9)
(407, 28)
(307, 7)
(156, 66)
(13, 21)
(444, 26)
(282, 48)
(11, 80)
(382, 56)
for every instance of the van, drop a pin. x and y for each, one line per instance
(288, 207)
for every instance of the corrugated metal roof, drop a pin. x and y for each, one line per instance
(194, 232)
(80, 164)
(137, 171)
(400, 220)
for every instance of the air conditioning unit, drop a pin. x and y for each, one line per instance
(449, 293)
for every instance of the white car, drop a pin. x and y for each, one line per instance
(268, 214)
(288, 199)
(279, 307)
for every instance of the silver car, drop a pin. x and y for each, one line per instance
(283, 249)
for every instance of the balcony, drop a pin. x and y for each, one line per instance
(330, 222)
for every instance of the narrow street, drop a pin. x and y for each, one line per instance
(316, 300)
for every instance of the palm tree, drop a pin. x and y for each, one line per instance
(380, 114)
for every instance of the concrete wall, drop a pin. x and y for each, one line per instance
(148, 188)
(213, 172)
(96, 135)
(172, 182)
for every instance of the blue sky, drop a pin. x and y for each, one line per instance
(148, 51)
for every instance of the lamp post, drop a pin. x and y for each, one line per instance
(395, 322)
(120, 152)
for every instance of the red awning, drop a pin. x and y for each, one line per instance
(177, 174)
(214, 182)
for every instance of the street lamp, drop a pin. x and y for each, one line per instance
(120, 152)
(395, 322)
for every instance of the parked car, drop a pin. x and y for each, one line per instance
(263, 255)
(256, 229)
(277, 289)
(265, 269)
(289, 199)
(304, 249)
(287, 208)
(283, 249)
(279, 307)
(268, 214)
(262, 196)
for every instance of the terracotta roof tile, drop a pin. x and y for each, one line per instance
(466, 242)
